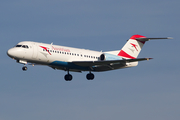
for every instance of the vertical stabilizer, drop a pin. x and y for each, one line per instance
(132, 48)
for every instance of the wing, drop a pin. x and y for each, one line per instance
(107, 62)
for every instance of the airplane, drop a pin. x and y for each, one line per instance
(78, 60)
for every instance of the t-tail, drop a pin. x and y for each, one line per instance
(133, 47)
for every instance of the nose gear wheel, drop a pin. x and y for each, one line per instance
(24, 68)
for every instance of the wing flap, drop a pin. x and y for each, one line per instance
(107, 62)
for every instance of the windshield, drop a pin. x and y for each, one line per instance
(23, 46)
(18, 45)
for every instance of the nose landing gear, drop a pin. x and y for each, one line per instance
(24, 68)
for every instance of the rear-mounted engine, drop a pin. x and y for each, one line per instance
(106, 56)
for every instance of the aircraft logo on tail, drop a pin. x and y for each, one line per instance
(135, 46)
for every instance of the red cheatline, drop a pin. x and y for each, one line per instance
(45, 49)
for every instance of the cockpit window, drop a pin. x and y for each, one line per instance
(18, 45)
(23, 46)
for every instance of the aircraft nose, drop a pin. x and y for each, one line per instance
(11, 53)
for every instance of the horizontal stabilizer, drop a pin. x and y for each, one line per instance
(147, 39)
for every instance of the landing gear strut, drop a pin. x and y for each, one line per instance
(68, 77)
(90, 76)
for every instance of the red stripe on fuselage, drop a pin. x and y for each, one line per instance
(45, 49)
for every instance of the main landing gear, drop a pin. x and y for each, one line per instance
(68, 77)
(90, 76)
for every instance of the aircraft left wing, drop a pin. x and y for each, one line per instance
(107, 62)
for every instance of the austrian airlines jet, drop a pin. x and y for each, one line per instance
(78, 60)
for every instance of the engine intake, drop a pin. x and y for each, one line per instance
(102, 57)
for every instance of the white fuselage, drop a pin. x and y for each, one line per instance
(57, 57)
(61, 57)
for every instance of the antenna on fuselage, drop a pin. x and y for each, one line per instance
(52, 43)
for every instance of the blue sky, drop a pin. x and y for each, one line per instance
(149, 91)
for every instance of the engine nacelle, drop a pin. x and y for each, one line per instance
(102, 57)
(106, 56)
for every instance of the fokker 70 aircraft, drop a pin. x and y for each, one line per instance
(78, 60)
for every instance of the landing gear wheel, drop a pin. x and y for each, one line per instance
(90, 76)
(24, 68)
(68, 77)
